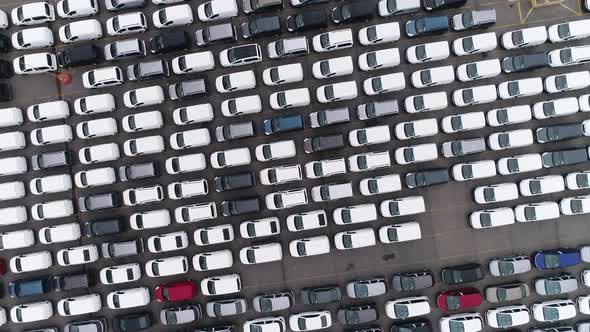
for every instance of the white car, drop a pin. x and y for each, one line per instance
(416, 153)
(103, 77)
(143, 145)
(4, 22)
(432, 101)
(173, 16)
(407, 307)
(524, 37)
(80, 31)
(238, 81)
(435, 51)
(227, 58)
(468, 322)
(186, 163)
(333, 40)
(214, 235)
(76, 8)
(555, 108)
(128, 298)
(354, 214)
(583, 304)
(495, 193)
(51, 135)
(578, 180)
(536, 211)
(95, 104)
(306, 221)
(479, 70)
(125, 24)
(34, 261)
(142, 121)
(96, 128)
(12, 116)
(379, 59)
(167, 266)
(119, 274)
(53, 110)
(569, 56)
(492, 218)
(217, 10)
(369, 135)
(33, 13)
(195, 212)
(193, 63)
(221, 285)
(542, 185)
(384, 83)
(553, 310)
(190, 139)
(230, 158)
(283, 74)
(416, 129)
(263, 253)
(149, 219)
(143, 195)
(584, 101)
(379, 33)
(337, 92)
(34, 63)
(213, 260)
(331, 192)
(475, 95)
(354, 239)
(510, 139)
(474, 170)
(50, 184)
(187, 189)
(433, 77)
(510, 316)
(480, 43)
(310, 321)
(31, 312)
(260, 228)
(17, 239)
(79, 305)
(77, 255)
(98, 153)
(463, 122)
(397, 7)
(52, 210)
(311, 246)
(286, 199)
(333, 67)
(12, 190)
(241, 106)
(193, 114)
(167, 242)
(403, 232)
(12, 141)
(325, 168)
(289, 99)
(32, 38)
(567, 81)
(570, 206)
(13, 166)
(381, 184)
(568, 31)
(275, 150)
(520, 88)
(148, 96)
(280, 174)
(402, 206)
(509, 115)
(519, 164)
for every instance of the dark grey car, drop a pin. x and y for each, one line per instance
(273, 302)
(559, 132)
(215, 34)
(564, 157)
(226, 307)
(187, 89)
(524, 62)
(360, 289)
(355, 315)
(377, 109)
(411, 281)
(427, 178)
(122, 248)
(329, 117)
(50, 160)
(507, 292)
(234, 131)
(323, 143)
(138, 171)
(94, 325)
(320, 295)
(148, 70)
(463, 147)
(98, 202)
(69, 282)
(261, 27)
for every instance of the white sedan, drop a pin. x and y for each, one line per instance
(569, 56)
(260, 228)
(479, 70)
(221, 285)
(173, 16)
(30, 312)
(542, 185)
(492, 218)
(578, 180)
(80, 31)
(369, 161)
(217, 10)
(480, 43)
(306, 220)
(324, 168)
(524, 37)
(433, 76)
(96, 128)
(468, 322)
(463, 122)
(379, 59)
(407, 307)
(213, 260)
(510, 139)
(474, 170)
(60, 233)
(333, 40)
(167, 266)
(280, 174)
(289, 98)
(432, 101)
(79, 305)
(311, 246)
(475, 95)
(416, 129)
(77, 255)
(167, 242)
(520, 88)
(283, 74)
(569, 31)
(354, 214)
(76, 8)
(128, 298)
(536, 211)
(435, 51)
(556, 107)
(384, 83)
(119, 274)
(575, 205)
(567, 82)
(553, 310)
(33, 13)
(354, 239)
(309, 321)
(510, 316)
(379, 34)
(275, 150)
(403, 232)
(32, 38)
(509, 115)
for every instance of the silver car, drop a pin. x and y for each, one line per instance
(556, 284)
(226, 308)
(507, 292)
(474, 19)
(509, 265)
(273, 302)
(180, 315)
(359, 289)
(463, 147)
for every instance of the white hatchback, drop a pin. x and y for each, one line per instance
(333, 67)
(555, 108)
(369, 136)
(463, 122)
(379, 33)
(536, 211)
(542, 185)
(495, 193)
(567, 81)
(32, 38)
(474, 170)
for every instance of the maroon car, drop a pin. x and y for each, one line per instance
(177, 291)
(456, 299)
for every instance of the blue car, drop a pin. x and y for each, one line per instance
(556, 258)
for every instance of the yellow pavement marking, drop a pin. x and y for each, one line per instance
(570, 9)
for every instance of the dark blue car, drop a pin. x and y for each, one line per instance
(427, 25)
(283, 124)
(556, 258)
(30, 287)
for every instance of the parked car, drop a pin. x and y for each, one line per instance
(462, 273)
(457, 299)
(526, 37)
(507, 292)
(474, 19)
(427, 25)
(306, 20)
(524, 62)
(556, 258)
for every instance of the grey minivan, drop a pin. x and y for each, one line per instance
(411, 281)
(329, 117)
(273, 302)
(215, 33)
(377, 109)
(148, 70)
(187, 89)
(463, 147)
(507, 292)
(127, 48)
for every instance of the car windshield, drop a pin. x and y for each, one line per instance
(372, 33)
(221, 158)
(563, 30)
(561, 82)
(280, 47)
(347, 241)
(301, 249)
(226, 82)
(265, 304)
(504, 319)
(208, 9)
(506, 268)
(162, 16)
(456, 123)
(392, 234)
(345, 12)
(504, 140)
(372, 59)
(485, 219)
(512, 165)
(278, 200)
(361, 136)
(489, 194)
(549, 108)
(502, 115)
(468, 45)
(551, 260)
(468, 97)
(409, 154)
(419, 103)
(467, 171)
(205, 237)
(420, 25)
(266, 151)
(453, 302)
(577, 206)
(299, 21)
(329, 91)
(325, 67)
(467, 19)
(325, 40)
(425, 77)
(377, 84)
(401, 310)
(456, 326)
(457, 148)
(550, 313)
(317, 169)
(301, 324)
(408, 283)
(361, 290)
(552, 287)
(171, 317)
(373, 186)
(116, 25)
(281, 100)
(471, 70)
(39, 135)
(421, 52)
(582, 181)
(566, 55)
(274, 74)
(517, 38)
(409, 130)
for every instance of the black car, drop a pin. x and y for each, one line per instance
(524, 62)
(320, 295)
(459, 274)
(169, 41)
(139, 171)
(98, 202)
(50, 160)
(234, 181)
(211, 34)
(78, 56)
(417, 326)
(262, 26)
(5, 92)
(282, 124)
(352, 12)
(240, 206)
(94, 325)
(323, 143)
(564, 157)
(186, 89)
(358, 314)
(5, 44)
(559, 132)
(29, 287)
(312, 20)
(427, 178)
(219, 328)
(431, 5)
(132, 322)
(104, 227)
(234, 131)
(69, 282)
(6, 69)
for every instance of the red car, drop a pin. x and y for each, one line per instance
(177, 291)
(462, 298)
